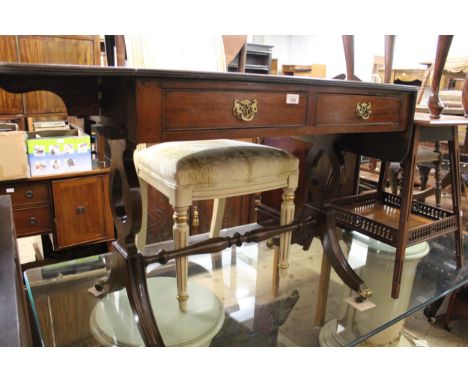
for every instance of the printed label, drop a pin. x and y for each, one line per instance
(292, 99)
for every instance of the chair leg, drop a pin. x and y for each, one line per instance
(393, 177)
(437, 177)
(215, 228)
(424, 171)
(287, 216)
(181, 234)
(217, 217)
(140, 239)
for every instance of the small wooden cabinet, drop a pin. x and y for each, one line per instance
(74, 207)
(80, 210)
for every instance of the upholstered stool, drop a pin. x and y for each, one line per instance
(213, 169)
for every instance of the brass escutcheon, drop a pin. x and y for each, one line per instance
(363, 110)
(244, 110)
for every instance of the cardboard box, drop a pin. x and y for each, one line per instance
(53, 152)
(13, 157)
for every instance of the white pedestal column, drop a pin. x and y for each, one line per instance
(377, 273)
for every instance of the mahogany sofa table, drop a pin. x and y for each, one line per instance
(150, 106)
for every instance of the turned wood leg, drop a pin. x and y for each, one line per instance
(215, 228)
(286, 217)
(454, 157)
(181, 234)
(424, 171)
(393, 177)
(141, 236)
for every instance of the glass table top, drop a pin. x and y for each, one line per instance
(240, 298)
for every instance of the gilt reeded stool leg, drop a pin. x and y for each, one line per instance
(213, 169)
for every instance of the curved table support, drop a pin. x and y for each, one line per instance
(326, 175)
(128, 268)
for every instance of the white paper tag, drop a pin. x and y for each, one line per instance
(361, 306)
(10, 190)
(292, 99)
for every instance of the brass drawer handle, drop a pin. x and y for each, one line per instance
(244, 110)
(29, 194)
(32, 220)
(363, 110)
(80, 210)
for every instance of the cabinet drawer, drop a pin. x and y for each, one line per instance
(32, 220)
(26, 193)
(340, 109)
(205, 109)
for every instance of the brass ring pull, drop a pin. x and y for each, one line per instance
(363, 110)
(80, 210)
(244, 110)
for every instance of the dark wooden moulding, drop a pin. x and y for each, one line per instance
(135, 106)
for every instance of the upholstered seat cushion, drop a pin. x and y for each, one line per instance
(214, 163)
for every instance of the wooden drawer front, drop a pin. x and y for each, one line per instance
(26, 193)
(32, 220)
(340, 109)
(79, 211)
(204, 109)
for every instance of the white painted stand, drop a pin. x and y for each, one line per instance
(112, 322)
(377, 273)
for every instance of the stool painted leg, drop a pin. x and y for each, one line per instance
(181, 234)
(215, 228)
(287, 216)
(141, 236)
(217, 217)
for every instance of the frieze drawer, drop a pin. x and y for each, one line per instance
(26, 193)
(205, 109)
(353, 109)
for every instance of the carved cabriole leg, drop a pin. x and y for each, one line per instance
(181, 235)
(127, 264)
(434, 103)
(454, 157)
(286, 217)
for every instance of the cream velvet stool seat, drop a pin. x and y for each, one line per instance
(213, 169)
